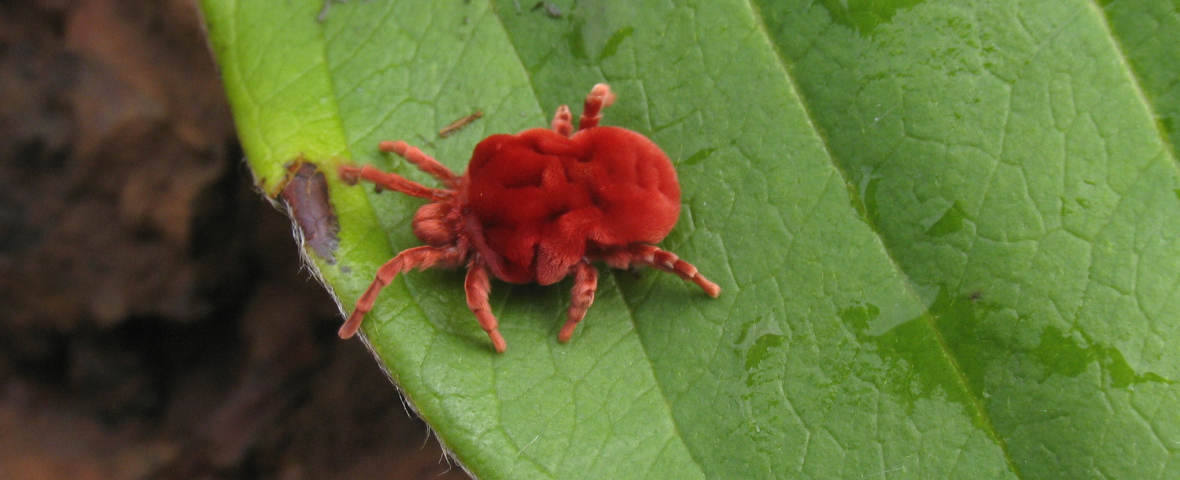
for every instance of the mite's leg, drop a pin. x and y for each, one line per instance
(640, 254)
(563, 121)
(478, 286)
(417, 257)
(351, 174)
(600, 97)
(425, 162)
(582, 295)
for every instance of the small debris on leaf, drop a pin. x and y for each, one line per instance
(550, 9)
(459, 124)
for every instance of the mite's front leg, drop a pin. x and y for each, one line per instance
(563, 121)
(581, 296)
(599, 98)
(424, 162)
(478, 287)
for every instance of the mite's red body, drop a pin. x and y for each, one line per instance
(536, 207)
(542, 201)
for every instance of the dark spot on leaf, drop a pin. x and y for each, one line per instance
(306, 197)
(868, 196)
(1071, 353)
(323, 15)
(698, 156)
(577, 44)
(950, 222)
(762, 350)
(899, 344)
(864, 16)
(550, 9)
(612, 43)
(860, 315)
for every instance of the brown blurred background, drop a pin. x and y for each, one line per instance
(154, 318)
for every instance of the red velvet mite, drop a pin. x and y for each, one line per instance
(538, 206)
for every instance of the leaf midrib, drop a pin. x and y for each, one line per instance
(908, 284)
(1136, 85)
(630, 311)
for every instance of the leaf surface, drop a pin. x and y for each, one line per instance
(945, 231)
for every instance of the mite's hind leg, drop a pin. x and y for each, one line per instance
(641, 254)
(351, 174)
(581, 296)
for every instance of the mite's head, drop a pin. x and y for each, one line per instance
(437, 224)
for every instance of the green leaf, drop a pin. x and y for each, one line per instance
(946, 232)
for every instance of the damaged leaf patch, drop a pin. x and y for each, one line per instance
(305, 195)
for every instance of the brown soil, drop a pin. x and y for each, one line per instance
(154, 319)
